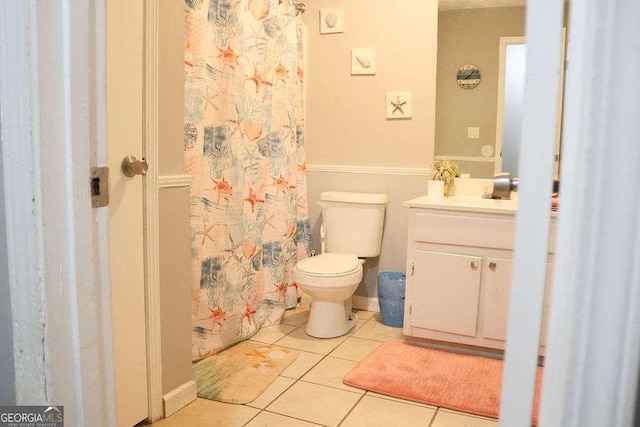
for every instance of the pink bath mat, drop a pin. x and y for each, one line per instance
(461, 382)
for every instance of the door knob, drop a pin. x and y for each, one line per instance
(132, 166)
(492, 266)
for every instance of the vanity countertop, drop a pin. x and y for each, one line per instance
(466, 203)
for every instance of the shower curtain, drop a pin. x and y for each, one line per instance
(244, 149)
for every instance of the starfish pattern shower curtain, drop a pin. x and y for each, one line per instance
(244, 149)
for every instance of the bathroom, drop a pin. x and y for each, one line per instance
(350, 143)
(353, 148)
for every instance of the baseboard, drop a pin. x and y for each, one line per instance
(179, 397)
(365, 303)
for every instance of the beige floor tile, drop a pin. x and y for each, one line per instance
(448, 418)
(295, 316)
(271, 334)
(372, 411)
(315, 403)
(203, 412)
(268, 419)
(354, 349)
(408, 402)
(330, 372)
(299, 340)
(274, 390)
(374, 329)
(303, 363)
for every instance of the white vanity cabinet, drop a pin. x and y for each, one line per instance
(459, 269)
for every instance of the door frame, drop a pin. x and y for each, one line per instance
(53, 131)
(150, 187)
(56, 243)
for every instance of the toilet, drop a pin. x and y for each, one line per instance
(351, 231)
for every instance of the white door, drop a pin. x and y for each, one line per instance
(124, 137)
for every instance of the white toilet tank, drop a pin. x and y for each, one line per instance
(353, 222)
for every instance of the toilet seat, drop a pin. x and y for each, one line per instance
(328, 270)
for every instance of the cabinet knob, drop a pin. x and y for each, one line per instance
(474, 265)
(492, 266)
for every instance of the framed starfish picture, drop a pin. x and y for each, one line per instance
(398, 105)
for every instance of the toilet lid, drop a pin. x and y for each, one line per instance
(329, 264)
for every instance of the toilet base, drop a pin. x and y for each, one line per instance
(329, 319)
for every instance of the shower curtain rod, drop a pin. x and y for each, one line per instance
(300, 7)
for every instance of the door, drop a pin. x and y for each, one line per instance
(124, 137)
(497, 274)
(446, 290)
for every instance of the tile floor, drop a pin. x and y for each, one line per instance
(310, 391)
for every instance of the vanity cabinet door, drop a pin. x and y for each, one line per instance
(496, 282)
(445, 292)
(496, 274)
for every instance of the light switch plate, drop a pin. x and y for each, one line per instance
(398, 104)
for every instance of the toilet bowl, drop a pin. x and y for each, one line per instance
(330, 279)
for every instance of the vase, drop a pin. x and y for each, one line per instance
(450, 188)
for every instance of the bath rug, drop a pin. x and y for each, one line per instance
(461, 382)
(241, 373)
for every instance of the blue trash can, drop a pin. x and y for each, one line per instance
(391, 285)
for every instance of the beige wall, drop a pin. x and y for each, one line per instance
(346, 123)
(175, 294)
(471, 36)
(173, 204)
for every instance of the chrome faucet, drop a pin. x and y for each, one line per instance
(503, 185)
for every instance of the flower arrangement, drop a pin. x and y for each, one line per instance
(447, 171)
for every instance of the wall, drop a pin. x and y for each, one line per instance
(173, 204)
(346, 122)
(471, 36)
(7, 370)
(346, 126)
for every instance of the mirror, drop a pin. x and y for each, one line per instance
(479, 128)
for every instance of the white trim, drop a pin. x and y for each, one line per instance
(375, 170)
(179, 397)
(539, 129)
(466, 158)
(591, 368)
(151, 222)
(24, 225)
(365, 303)
(172, 181)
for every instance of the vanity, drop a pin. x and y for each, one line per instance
(459, 270)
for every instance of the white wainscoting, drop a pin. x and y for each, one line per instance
(172, 181)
